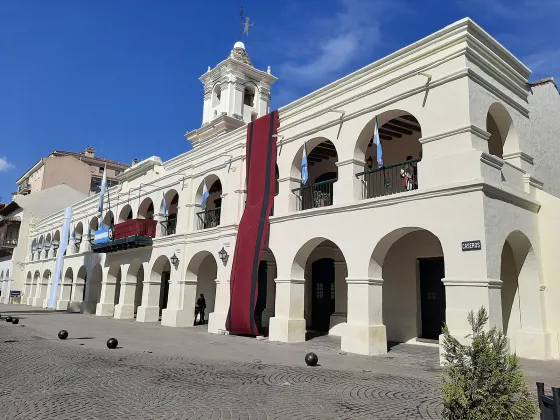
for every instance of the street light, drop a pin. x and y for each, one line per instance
(223, 255)
(174, 260)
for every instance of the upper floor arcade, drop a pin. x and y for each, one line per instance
(446, 118)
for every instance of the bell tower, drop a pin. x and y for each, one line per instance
(235, 93)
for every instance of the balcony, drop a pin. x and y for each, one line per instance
(135, 233)
(209, 218)
(9, 232)
(391, 179)
(319, 194)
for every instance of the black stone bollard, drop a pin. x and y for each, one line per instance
(311, 359)
(63, 334)
(112, 343)
(15, 320)
(8, 319)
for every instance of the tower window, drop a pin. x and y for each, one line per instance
(216, 95)
(249, 96)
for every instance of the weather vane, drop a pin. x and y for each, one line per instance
(244, 23)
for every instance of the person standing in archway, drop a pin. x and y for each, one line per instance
(200, 308)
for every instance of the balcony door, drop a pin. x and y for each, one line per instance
(322, 300)
(432, 297)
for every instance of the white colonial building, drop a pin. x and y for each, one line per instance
(465, 213)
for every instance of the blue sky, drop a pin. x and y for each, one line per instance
(122, 75)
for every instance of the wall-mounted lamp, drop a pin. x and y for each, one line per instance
(174, 260)
(369, 161)
(224, 256)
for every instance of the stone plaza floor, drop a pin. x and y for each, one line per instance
(172, 373)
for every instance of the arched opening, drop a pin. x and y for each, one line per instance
(27, 288)
(323, 266)
(125, 213)
(411, 263)
(136, 273)
(211, 203)
(48, 243)
(318, 190)
(503, 136)
(77, 236)
(65, 292)
(93, 290)
(161, 273)
(114, 276)
(264, 306)
(93, 225)
(78, 294)
(146, 209)
(2, 275)
(34, 247)
(216, 96)
(109, 219)
(56, 242)
(399, 135)
(44, 287)
(171, 199)
(34, 288)
(204, 269)
(130, 291)
(41, 245)
(249, 110)
(521, 281)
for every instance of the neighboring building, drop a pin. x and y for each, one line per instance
(16, 220)
(81, 171)
(463, 214)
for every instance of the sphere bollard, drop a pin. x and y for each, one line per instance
(112, 343)
(8, 319)
(15, 320)
(63, 334)
(311, 359)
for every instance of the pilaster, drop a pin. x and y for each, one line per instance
(288, 322)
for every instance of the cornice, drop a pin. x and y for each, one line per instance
(139, 169)
(491, 160)
(533, 182)
(472, 129)
(521, 155)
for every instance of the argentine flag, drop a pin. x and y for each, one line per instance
(164, 205)
(205, 195)
(377, 142)
(101, 194)
(304, 170)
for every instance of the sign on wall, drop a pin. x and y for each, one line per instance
(471, 246)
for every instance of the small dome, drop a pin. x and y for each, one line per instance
(239, 44)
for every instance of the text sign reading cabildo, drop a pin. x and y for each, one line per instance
(471, 246)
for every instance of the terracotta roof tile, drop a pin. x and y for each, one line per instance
(82, 155)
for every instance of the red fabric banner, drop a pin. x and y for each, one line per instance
(254, 225)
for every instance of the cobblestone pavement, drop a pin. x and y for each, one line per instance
(172, 373)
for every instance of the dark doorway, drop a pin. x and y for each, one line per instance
(260, 304)
(165, 276)
(432, 297)
(322, 300)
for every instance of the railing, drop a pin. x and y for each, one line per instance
(315, 195)
(171, 228)
(8, 242)
(135, 227)
(391, 179)
(548, 405)
(209, 218)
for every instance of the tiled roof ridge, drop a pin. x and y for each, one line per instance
(544, 82)
(81, 155)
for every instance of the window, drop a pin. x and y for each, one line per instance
(95, 185)
(101, 169)
(117, 172)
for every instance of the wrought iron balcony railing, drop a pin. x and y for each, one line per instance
(391, 179)
(315, 195)
(209, 218)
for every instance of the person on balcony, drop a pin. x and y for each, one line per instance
(408, 174)
(199, 309)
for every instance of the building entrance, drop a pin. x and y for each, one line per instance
(322, 300)
(432, 297)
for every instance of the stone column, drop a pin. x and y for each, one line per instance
(41, 292)
(180, 304)
(338, 318)
(64, 295)
(348, 188)
(364, 332)
(149, 310)
(463, 295)
(77, 296)
(270, 293)
(49, 287)
(217, 318)
(106, 305)
(288, 322)
(26, 291)
(126, 307)
(286, 201)
(32, 292)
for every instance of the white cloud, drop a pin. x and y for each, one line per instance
(544, 63)
(5, 165)
(330, 45)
